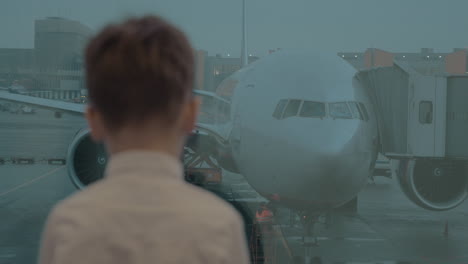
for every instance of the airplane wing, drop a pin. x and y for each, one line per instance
(207, 130)
(66, 106)
(50, 104)
(73, 108)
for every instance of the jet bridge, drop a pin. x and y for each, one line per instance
(419, 115)
(423, 123)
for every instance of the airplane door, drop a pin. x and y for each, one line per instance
(421, 116)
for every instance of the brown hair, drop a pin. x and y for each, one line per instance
(139, 69)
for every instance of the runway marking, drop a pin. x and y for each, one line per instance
(10, 255)
(363, 239)
(354, 239)
(245, 191)
(254, 200)
(31, 181)
(240, 184)
(379, 262)
(7, 253)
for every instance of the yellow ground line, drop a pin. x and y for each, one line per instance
(24, 184)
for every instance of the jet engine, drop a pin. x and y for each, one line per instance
(434, 184)
(86, 160)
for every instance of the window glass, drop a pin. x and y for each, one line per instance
(355, 110)
(280, 108)
(312, 109)
(292, 108)
(364, 111)
(340, 110)
(425, 112)
(299, 167)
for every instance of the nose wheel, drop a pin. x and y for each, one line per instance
(309, 240)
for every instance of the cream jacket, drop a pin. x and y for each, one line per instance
(143, 212)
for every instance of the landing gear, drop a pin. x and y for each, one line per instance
(270, 245)
(309, 240)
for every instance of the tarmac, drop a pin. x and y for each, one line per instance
(388, 228)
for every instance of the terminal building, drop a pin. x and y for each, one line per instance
(59, 43)
(53, 68)
(54, 63)
(426, 62)
(212, 70)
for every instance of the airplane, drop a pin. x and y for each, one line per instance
(297, 129)
(298, 126)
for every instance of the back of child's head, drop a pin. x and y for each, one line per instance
(139, 70)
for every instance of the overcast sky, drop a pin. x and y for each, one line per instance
(214, 25)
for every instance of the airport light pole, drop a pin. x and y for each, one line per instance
(244, 58)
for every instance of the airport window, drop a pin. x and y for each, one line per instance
(340, 110)
(355, 110)
(425, 112)
(291, 108)
(312, 109)
(280, 108)
(287, 140)
(364, 113)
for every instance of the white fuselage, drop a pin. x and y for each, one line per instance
(302, 162)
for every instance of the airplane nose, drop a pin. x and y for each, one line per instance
(322, 167)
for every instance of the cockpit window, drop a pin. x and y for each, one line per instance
(280, 108)
(340, 110)
(355, 110)
(292, 108)
(312, 109)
